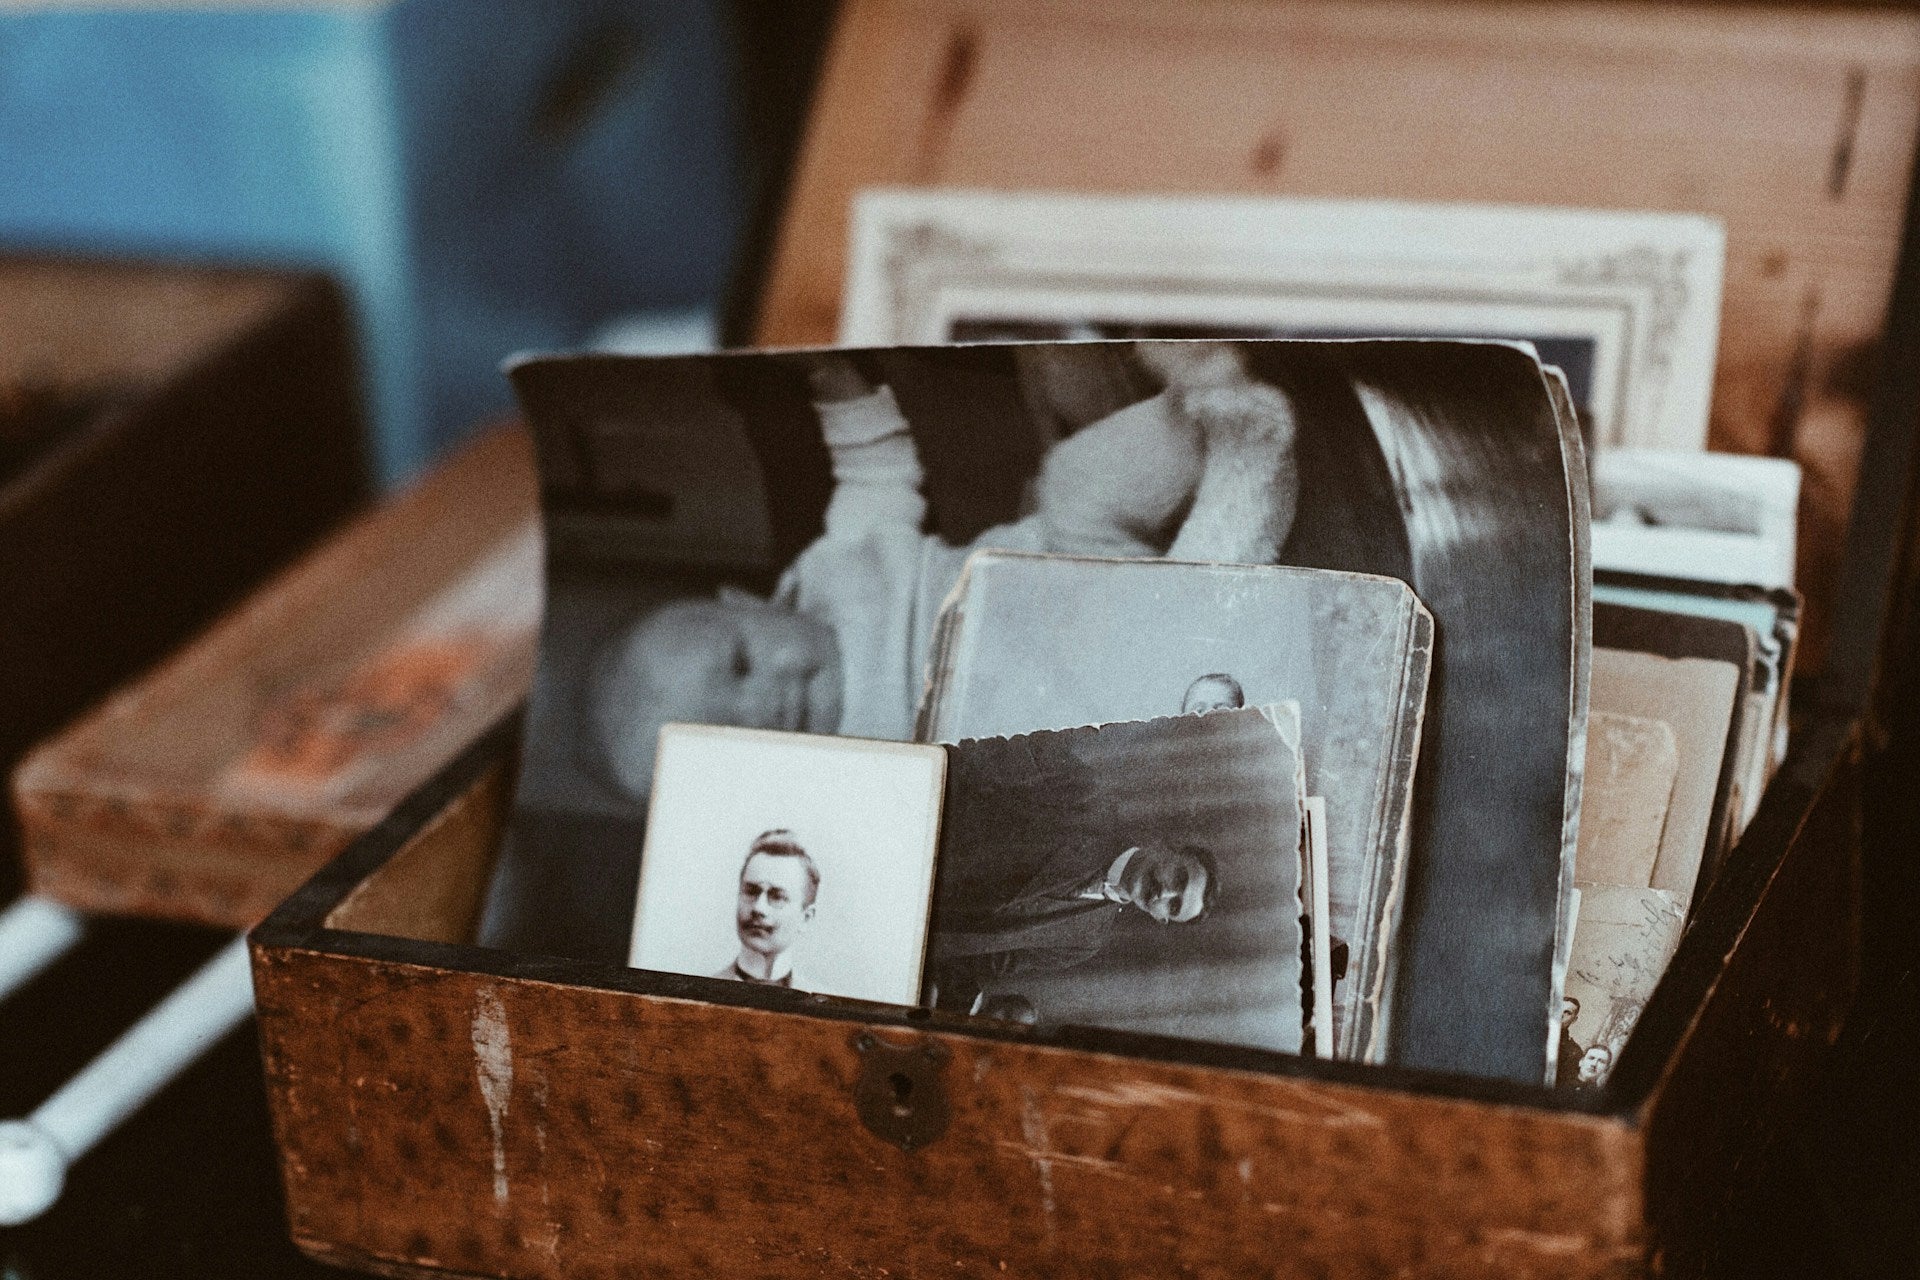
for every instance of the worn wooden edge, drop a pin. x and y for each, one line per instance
(304, 586)
(348, 1259)
(1821, 752)
(300, 924)
(306, 293)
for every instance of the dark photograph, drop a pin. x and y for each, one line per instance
(1143, 876)
(764, 539)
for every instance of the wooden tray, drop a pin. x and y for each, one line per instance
(210, 788)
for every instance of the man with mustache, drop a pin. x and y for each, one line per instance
(778, 885)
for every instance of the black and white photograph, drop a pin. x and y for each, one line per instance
(1627, 304)
(790, 860)
(1049, 642)
(1143, 875)
(1445, 465)
(1725, 517)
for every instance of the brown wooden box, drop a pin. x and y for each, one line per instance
(441, 1107)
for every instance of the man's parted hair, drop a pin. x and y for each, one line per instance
(781, 843)
(1236, 695)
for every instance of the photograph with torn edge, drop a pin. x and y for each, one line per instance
(764, 539)
(1031, 642)
(1144, 876)
(1621, 944)
(791, 860)
(1627, 303)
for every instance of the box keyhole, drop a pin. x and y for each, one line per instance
(898, 1094)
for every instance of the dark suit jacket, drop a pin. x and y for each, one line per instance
(1008, 908)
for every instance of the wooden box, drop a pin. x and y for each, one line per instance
(212, 786)
(442, 1107)
(181, 432)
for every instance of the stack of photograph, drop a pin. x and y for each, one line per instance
(1145, 606)
(1162, 648)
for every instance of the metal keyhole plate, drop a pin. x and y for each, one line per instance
(899, 1095)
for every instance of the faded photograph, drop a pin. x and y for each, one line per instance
(1625, 937)
(763, 539)
(1573, 354)
(774, 859)
(1143, 876)
(1051, 642)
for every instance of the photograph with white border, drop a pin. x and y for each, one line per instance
(1627, 303)
(787, 859)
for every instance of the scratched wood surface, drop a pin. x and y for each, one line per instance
(459, 1121)
(208, 789)
(1796, 126)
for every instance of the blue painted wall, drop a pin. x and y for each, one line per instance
(483, 177)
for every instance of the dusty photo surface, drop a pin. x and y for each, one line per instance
(1621, 946)
(790, 860)
(1143, 876)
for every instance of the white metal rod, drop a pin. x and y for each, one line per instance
(35, 1152)
(34, 932)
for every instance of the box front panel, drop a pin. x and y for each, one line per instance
(446, 1119)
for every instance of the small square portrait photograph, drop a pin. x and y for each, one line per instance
(784, 859)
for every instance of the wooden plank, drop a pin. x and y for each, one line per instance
(1795, 126)
(210, 432)
(212, 787)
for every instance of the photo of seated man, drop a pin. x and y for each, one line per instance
(1063, 912)
(1140, 875)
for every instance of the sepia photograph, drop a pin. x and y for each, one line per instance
(1621, 945)
(1144, 876)
(874, 474)
(1627, 304)
(790, 860)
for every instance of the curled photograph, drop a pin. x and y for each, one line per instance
(1050, 642)
(764, 539)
